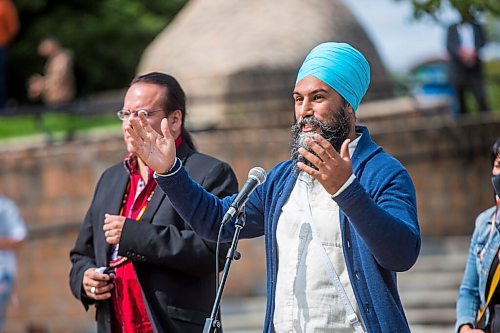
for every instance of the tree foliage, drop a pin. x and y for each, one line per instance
(487, 10)
(107, 38)
(465, 8)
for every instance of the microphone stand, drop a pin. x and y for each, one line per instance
(212, 324)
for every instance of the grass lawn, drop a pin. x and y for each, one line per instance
(59, 125)
(55, 123)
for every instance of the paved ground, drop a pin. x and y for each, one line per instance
(428, 292)
(246, 316)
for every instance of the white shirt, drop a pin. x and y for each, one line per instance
(466, 34)
(11, 226)
(306, 300)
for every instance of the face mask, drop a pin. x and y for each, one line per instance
(496, 183)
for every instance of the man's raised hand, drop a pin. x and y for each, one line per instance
(156, 150)
(333, 169)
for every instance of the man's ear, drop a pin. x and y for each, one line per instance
(175, 121)
(349, 111)
(352, 117)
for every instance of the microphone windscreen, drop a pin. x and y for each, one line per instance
(258, 174)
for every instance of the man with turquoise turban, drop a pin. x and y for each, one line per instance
(339, 218)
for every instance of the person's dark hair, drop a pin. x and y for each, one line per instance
(175, 98)
(495, 151)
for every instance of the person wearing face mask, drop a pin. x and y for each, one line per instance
(478, 301)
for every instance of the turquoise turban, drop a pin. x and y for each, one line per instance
(340, 66)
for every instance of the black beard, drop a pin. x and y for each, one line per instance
(334, 130)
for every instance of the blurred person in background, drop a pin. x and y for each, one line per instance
(12, 233)
(57, 85)
(9, 25)
(463, 42)
(161, 275)
(478, 302)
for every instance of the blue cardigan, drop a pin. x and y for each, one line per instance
(379, 226)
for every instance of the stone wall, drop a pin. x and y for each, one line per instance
(53, 186)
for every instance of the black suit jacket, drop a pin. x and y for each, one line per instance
(458, 70)
(175, 267)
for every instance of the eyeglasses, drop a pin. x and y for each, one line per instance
(125, 114)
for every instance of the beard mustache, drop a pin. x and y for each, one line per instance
(335, 130)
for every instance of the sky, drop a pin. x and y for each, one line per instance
(401, 41)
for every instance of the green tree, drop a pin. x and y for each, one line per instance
(465, 8)
(107, 38)
(493, 26)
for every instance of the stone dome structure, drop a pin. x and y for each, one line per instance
(238, 60)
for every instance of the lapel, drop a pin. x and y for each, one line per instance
(456, 34)
(115, 185)
(365, 149)
(476, 30)
(153, 205)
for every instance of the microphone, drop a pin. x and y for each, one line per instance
(256, 176)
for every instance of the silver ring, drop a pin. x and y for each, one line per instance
(92, 290)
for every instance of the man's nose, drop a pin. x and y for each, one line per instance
(126, 120)
(307, 109)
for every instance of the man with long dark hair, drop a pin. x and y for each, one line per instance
(135, 259)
